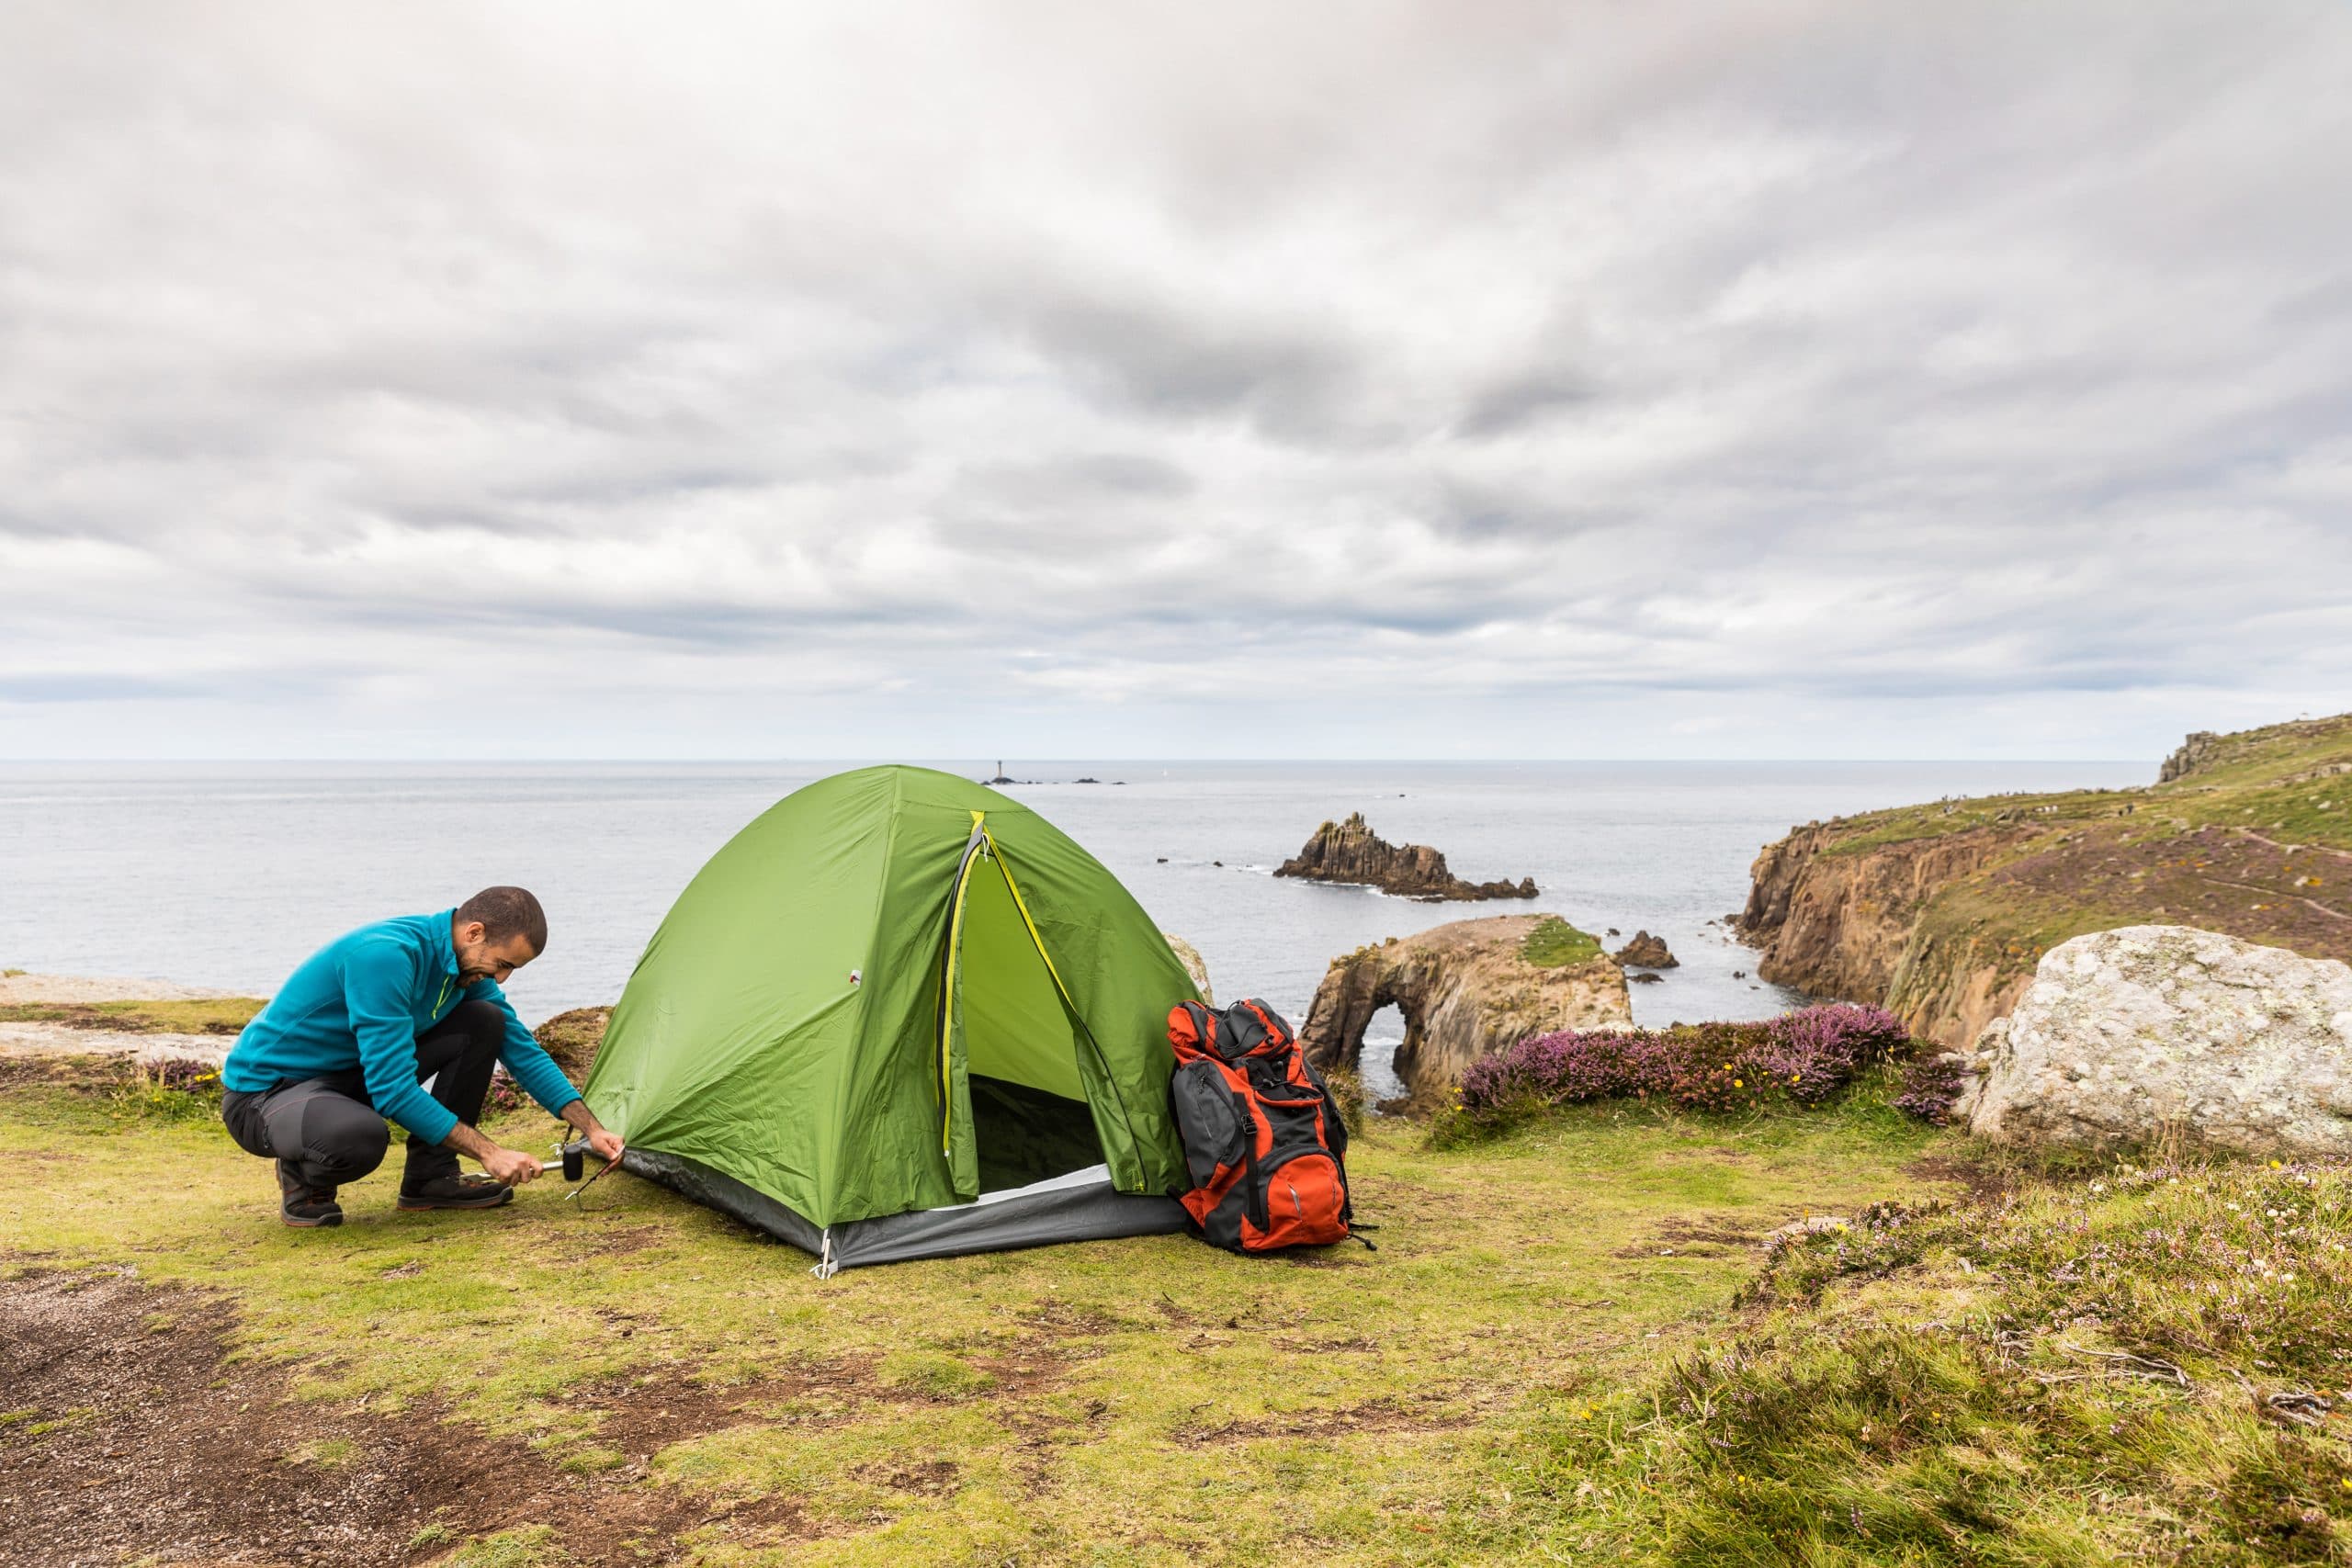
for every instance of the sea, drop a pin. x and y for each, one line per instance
(227, 874)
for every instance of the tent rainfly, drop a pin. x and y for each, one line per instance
(902, 1016)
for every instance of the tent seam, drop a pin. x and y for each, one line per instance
(845, 1072)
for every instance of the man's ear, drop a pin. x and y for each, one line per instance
(471, 933)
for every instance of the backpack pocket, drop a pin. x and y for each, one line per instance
(1306, 1204)
(1212, 1124)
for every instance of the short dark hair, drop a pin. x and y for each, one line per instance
(507, 911)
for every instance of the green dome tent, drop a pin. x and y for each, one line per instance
(903, 1016)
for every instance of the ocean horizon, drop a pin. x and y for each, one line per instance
(229, 873)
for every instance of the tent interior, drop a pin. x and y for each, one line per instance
(1030, 1116)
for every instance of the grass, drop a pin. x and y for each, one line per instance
(1570, 1348)
(2272, 780)
(2145, 1367)
(1555, 944)
(209, 1015)
(1138, 1401)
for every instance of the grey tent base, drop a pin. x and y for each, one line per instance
(1079, 1206)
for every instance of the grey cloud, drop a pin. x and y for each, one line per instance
(1080, 477)
(91, 687)
(1288, 380)
(1923, 367)
(1524, 401)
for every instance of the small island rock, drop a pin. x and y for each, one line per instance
(1648, 951)
(1351, 852)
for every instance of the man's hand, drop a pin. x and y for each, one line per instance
(504, 1164)
(601, 1138)
(509, 1166)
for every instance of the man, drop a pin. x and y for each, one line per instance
(352, 1036)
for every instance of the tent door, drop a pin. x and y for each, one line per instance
(1038, 1080)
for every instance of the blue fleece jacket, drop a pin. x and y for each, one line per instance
(361, 1001)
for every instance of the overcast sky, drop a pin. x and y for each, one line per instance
(1078, 380)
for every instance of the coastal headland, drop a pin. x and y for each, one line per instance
(1939, 911)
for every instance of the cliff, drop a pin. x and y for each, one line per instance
(1351, 851)
(1465, 989)
(1939, 912)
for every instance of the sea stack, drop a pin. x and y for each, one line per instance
(1648, 951)
(1351, 851)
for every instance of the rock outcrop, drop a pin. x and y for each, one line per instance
(2195, 753)
(1648, 951)
(573, 1038)
(1195, 964)
(1351, 851)
(1939, 912)
(1466, 990)
(2126, 1034)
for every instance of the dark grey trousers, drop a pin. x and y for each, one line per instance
(326, 1130)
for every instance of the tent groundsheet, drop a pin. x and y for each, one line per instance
(1080, 1205)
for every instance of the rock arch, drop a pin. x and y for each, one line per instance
(1465, 990)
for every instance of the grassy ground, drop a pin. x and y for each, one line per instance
(2280, 781)
(211, 1015)
(1142, 1402)
(2145, 1367)
(1555, 944)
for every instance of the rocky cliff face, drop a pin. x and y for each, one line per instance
(1843, 925)
(1466, 989)
(1351, 851)
(1939, 912)
(2199, 750)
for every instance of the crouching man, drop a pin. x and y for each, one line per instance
(352, 1038)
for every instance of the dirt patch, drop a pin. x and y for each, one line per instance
(1062, 1320)
(1385, 1415)
(82, 1015)
(1983, 1178)
(938, 1478)
(620, 1243)
(1355, 1344)
(79, 1073)
(1710, 1236)
(131, 1434)
(644, 1412)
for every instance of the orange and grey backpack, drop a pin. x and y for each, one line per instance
(1262, 1136)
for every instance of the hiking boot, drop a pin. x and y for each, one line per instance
(305, 1206)
(455, 1193)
